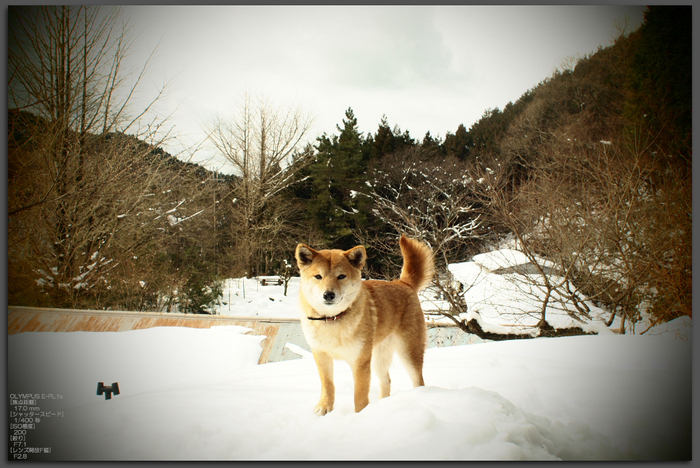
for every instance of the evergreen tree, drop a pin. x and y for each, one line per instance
(383, 142)
(458, 143)
(661, 78)
(403, 140)
(432, 146)
(338, 174)
(387, 141)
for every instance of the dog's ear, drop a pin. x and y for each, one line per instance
(305, 255)
(356, 256)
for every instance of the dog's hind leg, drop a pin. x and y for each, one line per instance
(381, 362)
(412, 358)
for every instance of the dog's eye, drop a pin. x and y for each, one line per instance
(341, 277)
(318, 277)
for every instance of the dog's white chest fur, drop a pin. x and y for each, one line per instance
(337, 342)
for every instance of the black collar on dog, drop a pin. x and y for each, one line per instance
(328, 319)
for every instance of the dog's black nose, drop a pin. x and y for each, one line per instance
(328, 296)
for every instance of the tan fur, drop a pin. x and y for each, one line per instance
(378, 317)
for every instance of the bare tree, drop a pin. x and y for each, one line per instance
(547, 228)
(428, 200)
(265, 146)
(74, 179)
(596, 218)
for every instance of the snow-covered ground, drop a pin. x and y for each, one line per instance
(198, 394)
(246, 297)
(511, 302)
(191, 394)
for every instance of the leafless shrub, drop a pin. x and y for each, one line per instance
(428, 200)
(612, 221)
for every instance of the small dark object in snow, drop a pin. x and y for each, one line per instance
(108, 391)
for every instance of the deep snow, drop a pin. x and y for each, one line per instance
(191, 394)
(198, 394)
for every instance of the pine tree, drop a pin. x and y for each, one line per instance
(458, 143)
(432, 146)
(383, 142)
(338, 173)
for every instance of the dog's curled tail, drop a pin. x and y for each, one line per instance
(418, 267)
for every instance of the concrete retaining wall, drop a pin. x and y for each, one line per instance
(279, 332)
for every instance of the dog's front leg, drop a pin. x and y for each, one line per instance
(324, 363)
(362, 373)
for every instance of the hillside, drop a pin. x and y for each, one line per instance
(588, 175)
(82, 227)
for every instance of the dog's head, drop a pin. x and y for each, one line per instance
(330, 279)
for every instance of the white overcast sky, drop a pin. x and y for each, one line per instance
(427, 68)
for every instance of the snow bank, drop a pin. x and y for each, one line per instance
(512, 303)
(502, 258)
(680, 328)
(197, 394)
(432, 423)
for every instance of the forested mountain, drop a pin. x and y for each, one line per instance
(590, 171)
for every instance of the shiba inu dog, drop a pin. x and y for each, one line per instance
(363, 322)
